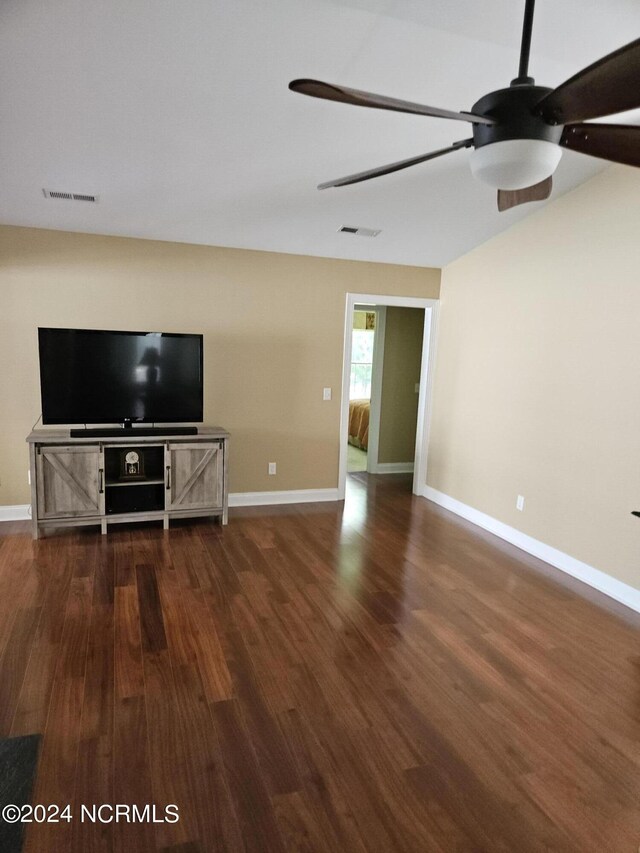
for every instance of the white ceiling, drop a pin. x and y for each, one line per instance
(178, 115)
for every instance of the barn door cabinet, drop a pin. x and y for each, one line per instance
(194, 475)
(80, 481)
(69, 482)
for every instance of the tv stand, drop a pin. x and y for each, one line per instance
(127, 475)
(130, 433)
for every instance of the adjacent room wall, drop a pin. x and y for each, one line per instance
(537, 389)
(273, 327)
(404, 329)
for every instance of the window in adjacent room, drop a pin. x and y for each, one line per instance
(362, 355)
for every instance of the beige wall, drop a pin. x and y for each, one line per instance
(273, 327)
(404, 328)
(537, 387)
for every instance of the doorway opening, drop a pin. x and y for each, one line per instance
(363, 342)
(386, 388)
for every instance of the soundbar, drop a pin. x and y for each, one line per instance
(131, 432)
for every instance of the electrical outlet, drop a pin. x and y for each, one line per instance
(520, 503)
(272, 468)
(326, 393)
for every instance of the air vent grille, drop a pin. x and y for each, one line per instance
(359, 230)
(67, 196)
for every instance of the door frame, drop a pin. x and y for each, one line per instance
(376, 388)
(376, 382)
(425, 394)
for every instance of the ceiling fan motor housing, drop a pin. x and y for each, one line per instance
(521, 148)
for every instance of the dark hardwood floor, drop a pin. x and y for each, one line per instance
(378, 676)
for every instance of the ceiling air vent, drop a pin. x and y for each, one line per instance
(361, 232)
(60, 194)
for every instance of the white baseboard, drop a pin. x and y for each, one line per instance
(19, 512)
(601, 581)
(295, 496)
(392, 468)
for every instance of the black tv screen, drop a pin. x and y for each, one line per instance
(105, 377)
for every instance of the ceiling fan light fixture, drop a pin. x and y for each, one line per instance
(518, 131)
(513, 164)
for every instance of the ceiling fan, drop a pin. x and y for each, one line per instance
(519, 132)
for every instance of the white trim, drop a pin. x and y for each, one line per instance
(393, 468)
(295, 496)
(426, 380)
(376, 388)
(425, 396)
(19, 512)
(595, 578)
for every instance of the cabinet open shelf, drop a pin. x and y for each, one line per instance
(111, 483)
(147, 464)
(143, 497)
(135, 479)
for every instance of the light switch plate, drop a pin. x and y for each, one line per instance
(326, 393)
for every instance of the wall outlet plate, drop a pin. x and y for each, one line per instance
(520, 503)
(272, 468)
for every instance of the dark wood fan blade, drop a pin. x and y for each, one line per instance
(394, 167)
(619, 143)
(611, 85)
(318, 89)
(512, 198)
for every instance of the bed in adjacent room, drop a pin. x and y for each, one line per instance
(359, 423)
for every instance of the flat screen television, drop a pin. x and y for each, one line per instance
(104, 377)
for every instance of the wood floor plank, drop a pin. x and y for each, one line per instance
(132, 773)
(35, 693)
(14, 662)
(218, 828)
(94, 787)
(255, 812)
(331, 811)
(58, 764)
(94, 773)
(273, 754)
(57, 770)
(299, 825)
(171, 779)
(151, 620)
(129, 674)
(209, 655)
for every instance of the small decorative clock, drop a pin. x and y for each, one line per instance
(131, 465)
